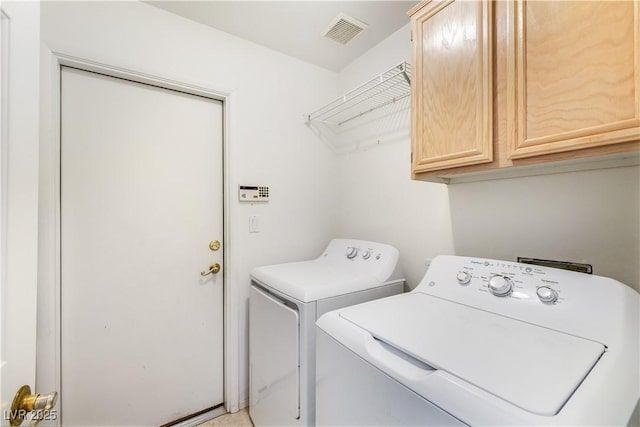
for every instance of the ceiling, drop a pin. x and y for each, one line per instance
(295, 27)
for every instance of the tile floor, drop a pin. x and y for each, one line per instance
(239, 419)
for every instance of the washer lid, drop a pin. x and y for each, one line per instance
(534, 368)
(312, 280)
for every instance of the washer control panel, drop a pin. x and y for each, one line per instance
(584, 305)
(506, 280)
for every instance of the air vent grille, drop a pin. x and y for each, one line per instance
(344, 28)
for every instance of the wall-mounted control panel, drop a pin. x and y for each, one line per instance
(253, 193)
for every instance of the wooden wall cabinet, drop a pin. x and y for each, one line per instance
(452, 97)
(564, 82)
(574, 77)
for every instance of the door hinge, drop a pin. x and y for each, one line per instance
(411, 34)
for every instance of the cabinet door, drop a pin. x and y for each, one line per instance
(452, 86)
(573, 75)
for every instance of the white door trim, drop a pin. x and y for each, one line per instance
(50, 206)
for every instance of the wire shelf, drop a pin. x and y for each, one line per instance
(385, 89)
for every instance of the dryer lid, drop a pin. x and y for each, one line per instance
(534, 368)
(309, 281)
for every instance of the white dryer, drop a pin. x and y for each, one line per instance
(484, 342)
(284, 304)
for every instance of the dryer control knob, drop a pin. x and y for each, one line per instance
(500, 286)
(352, 252)
(547, 294)
(366, 254)
(463, 277)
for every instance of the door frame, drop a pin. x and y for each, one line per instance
(49, 236)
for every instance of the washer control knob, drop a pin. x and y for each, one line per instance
(463, 277)
(366, 254)
(352, 252)
(500, 286)
(547, 294)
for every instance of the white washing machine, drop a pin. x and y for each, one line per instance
(284, 304)
(484, 342)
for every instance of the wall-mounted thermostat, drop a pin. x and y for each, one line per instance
(253, 193)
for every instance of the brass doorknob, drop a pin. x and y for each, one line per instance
(213, 269)
(25, 402)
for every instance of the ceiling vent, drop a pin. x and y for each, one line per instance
(344, 28)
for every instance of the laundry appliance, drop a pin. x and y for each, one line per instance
(484, 342)
(285, 302)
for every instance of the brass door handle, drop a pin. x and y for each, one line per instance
(213, 269)
(25, 402)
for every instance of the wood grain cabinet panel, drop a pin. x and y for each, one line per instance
(572, 75)
(451, 85)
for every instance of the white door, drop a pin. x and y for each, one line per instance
(141, 199)
(19, 112)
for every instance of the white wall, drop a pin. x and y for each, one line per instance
(269, 142)
(591, 217)
(377, 199)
